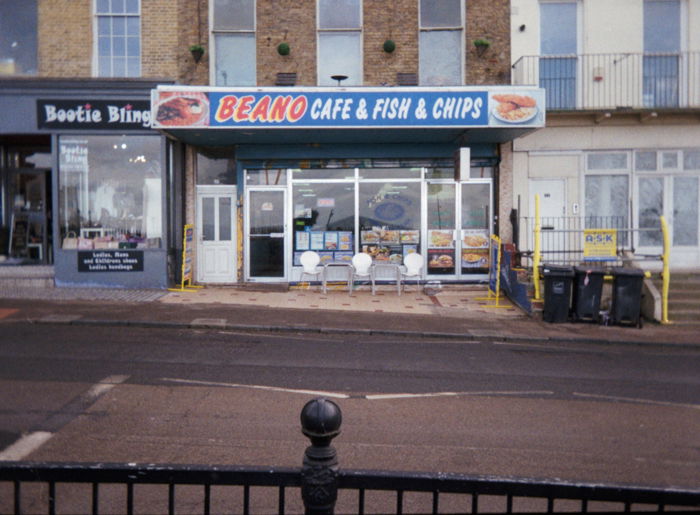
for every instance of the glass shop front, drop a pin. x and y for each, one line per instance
(385, 208)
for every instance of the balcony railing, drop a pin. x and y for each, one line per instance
(613, 81)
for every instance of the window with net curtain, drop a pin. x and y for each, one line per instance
(340, 42)
(440, 43)
(233, 35)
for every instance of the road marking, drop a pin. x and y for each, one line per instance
(371, 397)
(639, 401)
(25, 446)
(29, 443)
(387, 396)
(103, 387)
(258, 387)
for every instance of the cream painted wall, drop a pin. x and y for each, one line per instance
(604, 138)
(612, 26)
(608, 26)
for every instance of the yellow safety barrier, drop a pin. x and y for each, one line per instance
(537, 251)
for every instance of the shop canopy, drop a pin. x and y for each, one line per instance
(216, 116)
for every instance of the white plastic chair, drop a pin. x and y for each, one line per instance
(309, 261)
(361, 269)
(413, 268)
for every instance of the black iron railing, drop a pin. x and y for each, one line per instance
(318, 487)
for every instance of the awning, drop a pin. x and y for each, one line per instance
(461, 116)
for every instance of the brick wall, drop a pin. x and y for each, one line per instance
(192, 27)
(65, 38)
(396, 20)
(488, 19)
(159, 38)
(293, 22)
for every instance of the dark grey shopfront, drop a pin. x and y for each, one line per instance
(86, 183)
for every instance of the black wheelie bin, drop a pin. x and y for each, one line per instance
(588, 290)
(627, 296)
(557, 292)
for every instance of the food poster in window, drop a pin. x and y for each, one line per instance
(441, 261)
(442, 239)
(475, 249)
(326, 257)
(342, 257)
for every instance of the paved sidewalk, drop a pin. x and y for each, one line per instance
(458, 312)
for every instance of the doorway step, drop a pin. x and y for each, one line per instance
(26, 276)
(683, 298)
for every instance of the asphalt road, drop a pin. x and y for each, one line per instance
(620, 413)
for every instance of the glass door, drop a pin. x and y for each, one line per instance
(476, 227)
(266, 226)
(441, 225)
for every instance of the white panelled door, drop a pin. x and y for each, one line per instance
(216, 235)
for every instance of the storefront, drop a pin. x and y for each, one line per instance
(84, 181)
(387, 171)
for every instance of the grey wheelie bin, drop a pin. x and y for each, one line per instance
(588, 290)
(557, 292)
(627, 296)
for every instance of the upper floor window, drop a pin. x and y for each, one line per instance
(18, 34)
(339, 42)
(558, 49)
(662, 43)
(440, 42)
(233, 23)
(118, 38)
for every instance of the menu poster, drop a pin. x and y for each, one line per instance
(475, 239)
(330, 241)
(396, 255)
(301, 240)
(410, 236)
(326, 257)
(441, 239)
(317, 240)
(475, 258)
(342, 257)
(441, 259)
(345, 240)
(297, 258)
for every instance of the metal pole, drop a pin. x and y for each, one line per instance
(536, 256)
(320, 422)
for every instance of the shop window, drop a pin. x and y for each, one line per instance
(18, 38)
(651, 207)
(233, 35)
(339, 42)
(110, 192)
(324, 173)
(390, 219)
(215, 171)
(266, 177)
(118, 38)
(669, 160)
(607, 161)
(324, 220)
(390, 173)
(440, 43)
(645, 161)
(691, 159)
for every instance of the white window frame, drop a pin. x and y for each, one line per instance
(460, 27)
(212, 42)
(96, 49)
(348, 30)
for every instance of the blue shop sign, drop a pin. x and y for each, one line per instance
(175, 107)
